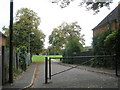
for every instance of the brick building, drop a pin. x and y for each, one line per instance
(2, 49)
(2, 39)
(110, 22)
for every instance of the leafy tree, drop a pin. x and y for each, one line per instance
(26, 23)
(90, 4)
(106, 43)
(112, 42)
(98, 43)
(64, 33)
(37, 42)
(72, 48)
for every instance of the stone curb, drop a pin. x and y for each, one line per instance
(32, 80)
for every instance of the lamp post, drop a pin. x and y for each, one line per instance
(11, 44)
(29, 46)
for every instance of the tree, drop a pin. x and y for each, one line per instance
(26, 23)
(98, 43)
(106, 43)
(37, 42)
(90, 4)
(72, 48)
(64, 33)
(112, 42)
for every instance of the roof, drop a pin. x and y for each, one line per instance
(114, 15)
(1, 34)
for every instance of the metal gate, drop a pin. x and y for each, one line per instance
(48, 74)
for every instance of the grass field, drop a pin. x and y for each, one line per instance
(37, 58)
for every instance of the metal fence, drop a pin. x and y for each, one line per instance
(48, 74)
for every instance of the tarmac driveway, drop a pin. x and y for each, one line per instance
(75, 78)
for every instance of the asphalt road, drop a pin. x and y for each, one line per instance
(75, 78)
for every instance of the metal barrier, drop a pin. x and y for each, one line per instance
(48, 74)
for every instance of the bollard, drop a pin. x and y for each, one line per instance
(50, 68)
(46, 70)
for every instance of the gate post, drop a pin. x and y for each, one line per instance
(50, 68)
(46, 70)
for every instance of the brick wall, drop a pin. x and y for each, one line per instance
(114, 26)
(2, 41)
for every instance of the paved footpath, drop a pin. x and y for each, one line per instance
(75, 78)
(24, 80)
(80, 77)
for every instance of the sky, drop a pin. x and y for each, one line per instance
(52, 15)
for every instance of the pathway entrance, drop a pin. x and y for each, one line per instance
(74, 78)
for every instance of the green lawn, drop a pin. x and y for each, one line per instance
(36, 58)
(55, 56)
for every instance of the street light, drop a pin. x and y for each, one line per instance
(11, 44)
(29, 47)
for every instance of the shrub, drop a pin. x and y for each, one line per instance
(106, 43)
(73, 48)
(22, 54)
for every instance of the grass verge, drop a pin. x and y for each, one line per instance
(36, 58)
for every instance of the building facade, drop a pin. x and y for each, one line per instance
(110, 22)
(2, 39)
(2, 46)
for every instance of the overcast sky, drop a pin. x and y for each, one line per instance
(52, 15)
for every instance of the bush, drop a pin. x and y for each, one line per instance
(73, 48)
(22, 54)
(106, 43)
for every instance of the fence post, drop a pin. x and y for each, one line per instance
(17, 65)
(3, 70)
(50, 68)
(46, 70)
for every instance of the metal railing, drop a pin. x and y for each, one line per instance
(48, 74)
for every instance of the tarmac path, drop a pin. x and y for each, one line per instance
(75, 78)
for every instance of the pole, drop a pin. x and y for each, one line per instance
(46, 70)
(11, 44)
(50, 68)
(30, 61)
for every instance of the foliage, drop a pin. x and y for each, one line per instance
(73, 48)
(98, 43)
(54, 50)
(106, 62)
(26, 23)
(37, 42)
(64, 33)
(22, 54)
(112, 42)
(17, 72)
(94, 5)
(106, 43)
